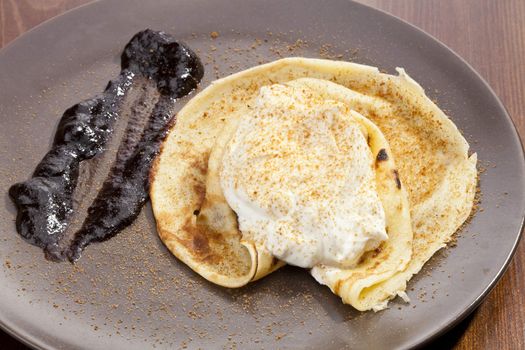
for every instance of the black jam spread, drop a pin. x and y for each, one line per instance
(45, 202)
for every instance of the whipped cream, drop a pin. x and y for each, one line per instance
(300, 176)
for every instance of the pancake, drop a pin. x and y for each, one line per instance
(432, 191)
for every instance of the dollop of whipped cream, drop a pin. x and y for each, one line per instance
(300, 176)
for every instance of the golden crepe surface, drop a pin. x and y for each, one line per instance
(431, 162)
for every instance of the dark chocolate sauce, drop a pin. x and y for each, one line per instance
(45, 202)
(127, 183)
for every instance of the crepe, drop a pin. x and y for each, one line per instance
(431, 162)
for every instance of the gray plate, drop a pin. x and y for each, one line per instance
(130, 293)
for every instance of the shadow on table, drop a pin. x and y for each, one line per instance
(9, 343)
(452, 337)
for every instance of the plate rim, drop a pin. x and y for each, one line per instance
(460, 316)
(34, 342)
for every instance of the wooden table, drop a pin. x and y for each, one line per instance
(490, 35)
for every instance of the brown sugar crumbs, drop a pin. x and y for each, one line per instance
(176, 301)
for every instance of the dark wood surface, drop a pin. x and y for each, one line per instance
(490, 35)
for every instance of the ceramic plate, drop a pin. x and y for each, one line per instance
(130, 293)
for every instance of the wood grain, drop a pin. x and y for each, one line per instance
(490, 35)
(18, 16)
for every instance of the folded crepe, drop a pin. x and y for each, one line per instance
(426, 182)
